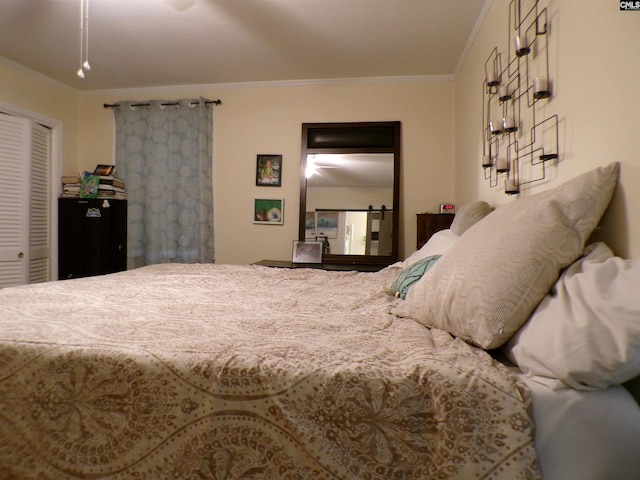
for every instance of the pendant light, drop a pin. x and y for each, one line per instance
(84, 38)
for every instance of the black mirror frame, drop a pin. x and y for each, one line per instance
(355, 137)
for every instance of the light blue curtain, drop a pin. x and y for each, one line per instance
(164, 153)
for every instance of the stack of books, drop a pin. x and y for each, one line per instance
(71, 186)
(101, 183)
(111, 187)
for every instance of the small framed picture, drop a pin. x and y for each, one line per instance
(307, 252)
(269, 170)
(268, 211)
(104, 170)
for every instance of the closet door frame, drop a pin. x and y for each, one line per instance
(55, 169)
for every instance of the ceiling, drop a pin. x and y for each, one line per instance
(158, 43)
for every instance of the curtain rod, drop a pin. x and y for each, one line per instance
(165, 104)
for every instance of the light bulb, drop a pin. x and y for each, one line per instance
(81, 73)
(86, 65)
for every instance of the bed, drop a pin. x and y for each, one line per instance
(249, 372)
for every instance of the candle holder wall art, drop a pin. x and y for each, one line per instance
(517, 145)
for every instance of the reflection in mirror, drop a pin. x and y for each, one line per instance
(349, 190)
(350, 202)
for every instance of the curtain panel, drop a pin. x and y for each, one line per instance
(164, 153)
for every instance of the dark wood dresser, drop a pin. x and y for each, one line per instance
(92, 237)
(430, 223)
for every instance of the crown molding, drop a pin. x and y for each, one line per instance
(223, 86)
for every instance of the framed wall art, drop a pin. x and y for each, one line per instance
(327, 223)
(310, 225)
(104, 170)
(268, 211)
(269, 170)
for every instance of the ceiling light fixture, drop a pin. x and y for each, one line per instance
(311, 170)
(84, 38)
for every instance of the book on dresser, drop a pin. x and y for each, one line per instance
(71, 185)
(111, 190)
(101, 183)
(112, 181)
(110, 185)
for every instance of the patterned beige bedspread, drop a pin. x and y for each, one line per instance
(244, 372)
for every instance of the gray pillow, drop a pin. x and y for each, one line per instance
(469, 215)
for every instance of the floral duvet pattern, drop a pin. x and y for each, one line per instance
(244, 372)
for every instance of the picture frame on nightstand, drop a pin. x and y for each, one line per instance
(307, 252)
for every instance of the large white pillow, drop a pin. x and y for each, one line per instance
(438, 244)
(491, 280)
(585, 334)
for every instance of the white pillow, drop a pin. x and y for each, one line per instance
(488, 284)
(438, 244)
(586, 333)
(469, 215)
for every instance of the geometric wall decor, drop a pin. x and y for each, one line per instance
(518, 145)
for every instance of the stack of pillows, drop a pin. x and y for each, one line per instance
(421, 261)
(495, 274)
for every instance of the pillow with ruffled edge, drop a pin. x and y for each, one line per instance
(585, 334)
(411, 275)
(488, 284)
(469, 215)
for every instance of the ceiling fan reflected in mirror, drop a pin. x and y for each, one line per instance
(180, 5)
(317, 161)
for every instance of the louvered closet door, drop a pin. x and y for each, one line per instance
(24, 201)
(39, 215)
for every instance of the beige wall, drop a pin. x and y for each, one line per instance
(257, 119)
(45, 98)
(595, 72)
(595, 69)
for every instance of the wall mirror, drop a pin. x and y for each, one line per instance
(349, 190)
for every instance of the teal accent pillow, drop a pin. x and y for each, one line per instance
(411, 275)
